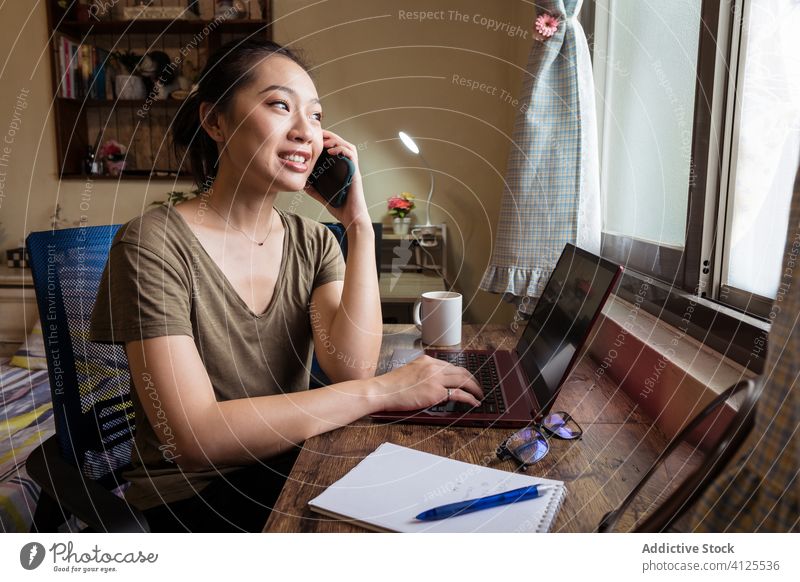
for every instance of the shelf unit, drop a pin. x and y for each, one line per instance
(141, 125)
(410, 269)
(405, 253)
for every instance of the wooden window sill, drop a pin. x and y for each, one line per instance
(668, 374)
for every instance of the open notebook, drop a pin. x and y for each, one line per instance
(393, 484)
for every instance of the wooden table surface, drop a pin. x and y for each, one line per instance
(618, 446)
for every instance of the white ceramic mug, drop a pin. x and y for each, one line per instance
(440, 318)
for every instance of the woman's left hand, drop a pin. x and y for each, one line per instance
(354, 211)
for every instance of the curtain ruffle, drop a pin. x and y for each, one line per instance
(517, 285)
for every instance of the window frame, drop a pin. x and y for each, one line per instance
(680, 267)
(732, 320)
(700, 267)
(740, 299)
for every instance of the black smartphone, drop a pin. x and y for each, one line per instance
(332, 176)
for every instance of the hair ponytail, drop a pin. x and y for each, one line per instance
(229, 69)
(191, 140)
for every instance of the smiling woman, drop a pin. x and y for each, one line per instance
(213, 300)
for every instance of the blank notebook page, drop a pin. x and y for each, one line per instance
(393, 484)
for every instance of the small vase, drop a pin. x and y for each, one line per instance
(401, 225)
(129, 87)
(114, 167)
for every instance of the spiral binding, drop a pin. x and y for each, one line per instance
(551, 513)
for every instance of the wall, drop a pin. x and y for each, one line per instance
(378, 68)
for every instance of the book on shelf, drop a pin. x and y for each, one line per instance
(82, 70)
(73, 69)
(69, 67)
(98, 89)
(86, 69)
(65, 66)
(62, 89)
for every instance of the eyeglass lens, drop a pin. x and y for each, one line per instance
(527, 445)
(561, 425)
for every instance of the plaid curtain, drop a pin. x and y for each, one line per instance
(551, 194)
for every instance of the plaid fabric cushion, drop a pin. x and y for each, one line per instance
(26, 420)
(551, 194)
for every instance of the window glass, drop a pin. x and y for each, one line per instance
(648, 110)
(766, 150)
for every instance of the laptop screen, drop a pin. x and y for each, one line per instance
(561, 320)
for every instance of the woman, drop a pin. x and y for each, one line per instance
(219, 301)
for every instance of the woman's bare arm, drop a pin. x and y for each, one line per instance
(177, 396)
(346, 317)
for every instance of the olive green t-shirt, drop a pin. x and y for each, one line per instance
(160, 281)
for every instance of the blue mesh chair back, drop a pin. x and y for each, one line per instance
(90, 382)
(318, 376)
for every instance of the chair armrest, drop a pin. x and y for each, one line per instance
(89, 501)
(690, 489)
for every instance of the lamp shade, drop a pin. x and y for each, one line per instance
(408, 142)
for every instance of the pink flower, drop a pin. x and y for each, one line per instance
(546, 25)
(112, 149)
(401, 205)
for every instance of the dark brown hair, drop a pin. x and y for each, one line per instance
(230, 68)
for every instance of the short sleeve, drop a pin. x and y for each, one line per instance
(140, 296)
(330, 263)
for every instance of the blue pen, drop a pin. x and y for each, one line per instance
(470, 505)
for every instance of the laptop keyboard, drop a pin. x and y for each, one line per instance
(481, 366)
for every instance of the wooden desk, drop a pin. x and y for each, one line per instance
(619, 444)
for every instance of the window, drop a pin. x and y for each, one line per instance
(699, 118)
(645, 56)
(647, 136)
(762, 153)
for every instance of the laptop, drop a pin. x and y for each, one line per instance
(520, 385)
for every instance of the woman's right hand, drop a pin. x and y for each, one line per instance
(425, 382)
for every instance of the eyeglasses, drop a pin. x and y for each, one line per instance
(529, 445)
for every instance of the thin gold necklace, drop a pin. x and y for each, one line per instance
(234, 227)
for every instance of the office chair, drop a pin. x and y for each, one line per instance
(717, 457)
(80, 466)
(318, 377)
